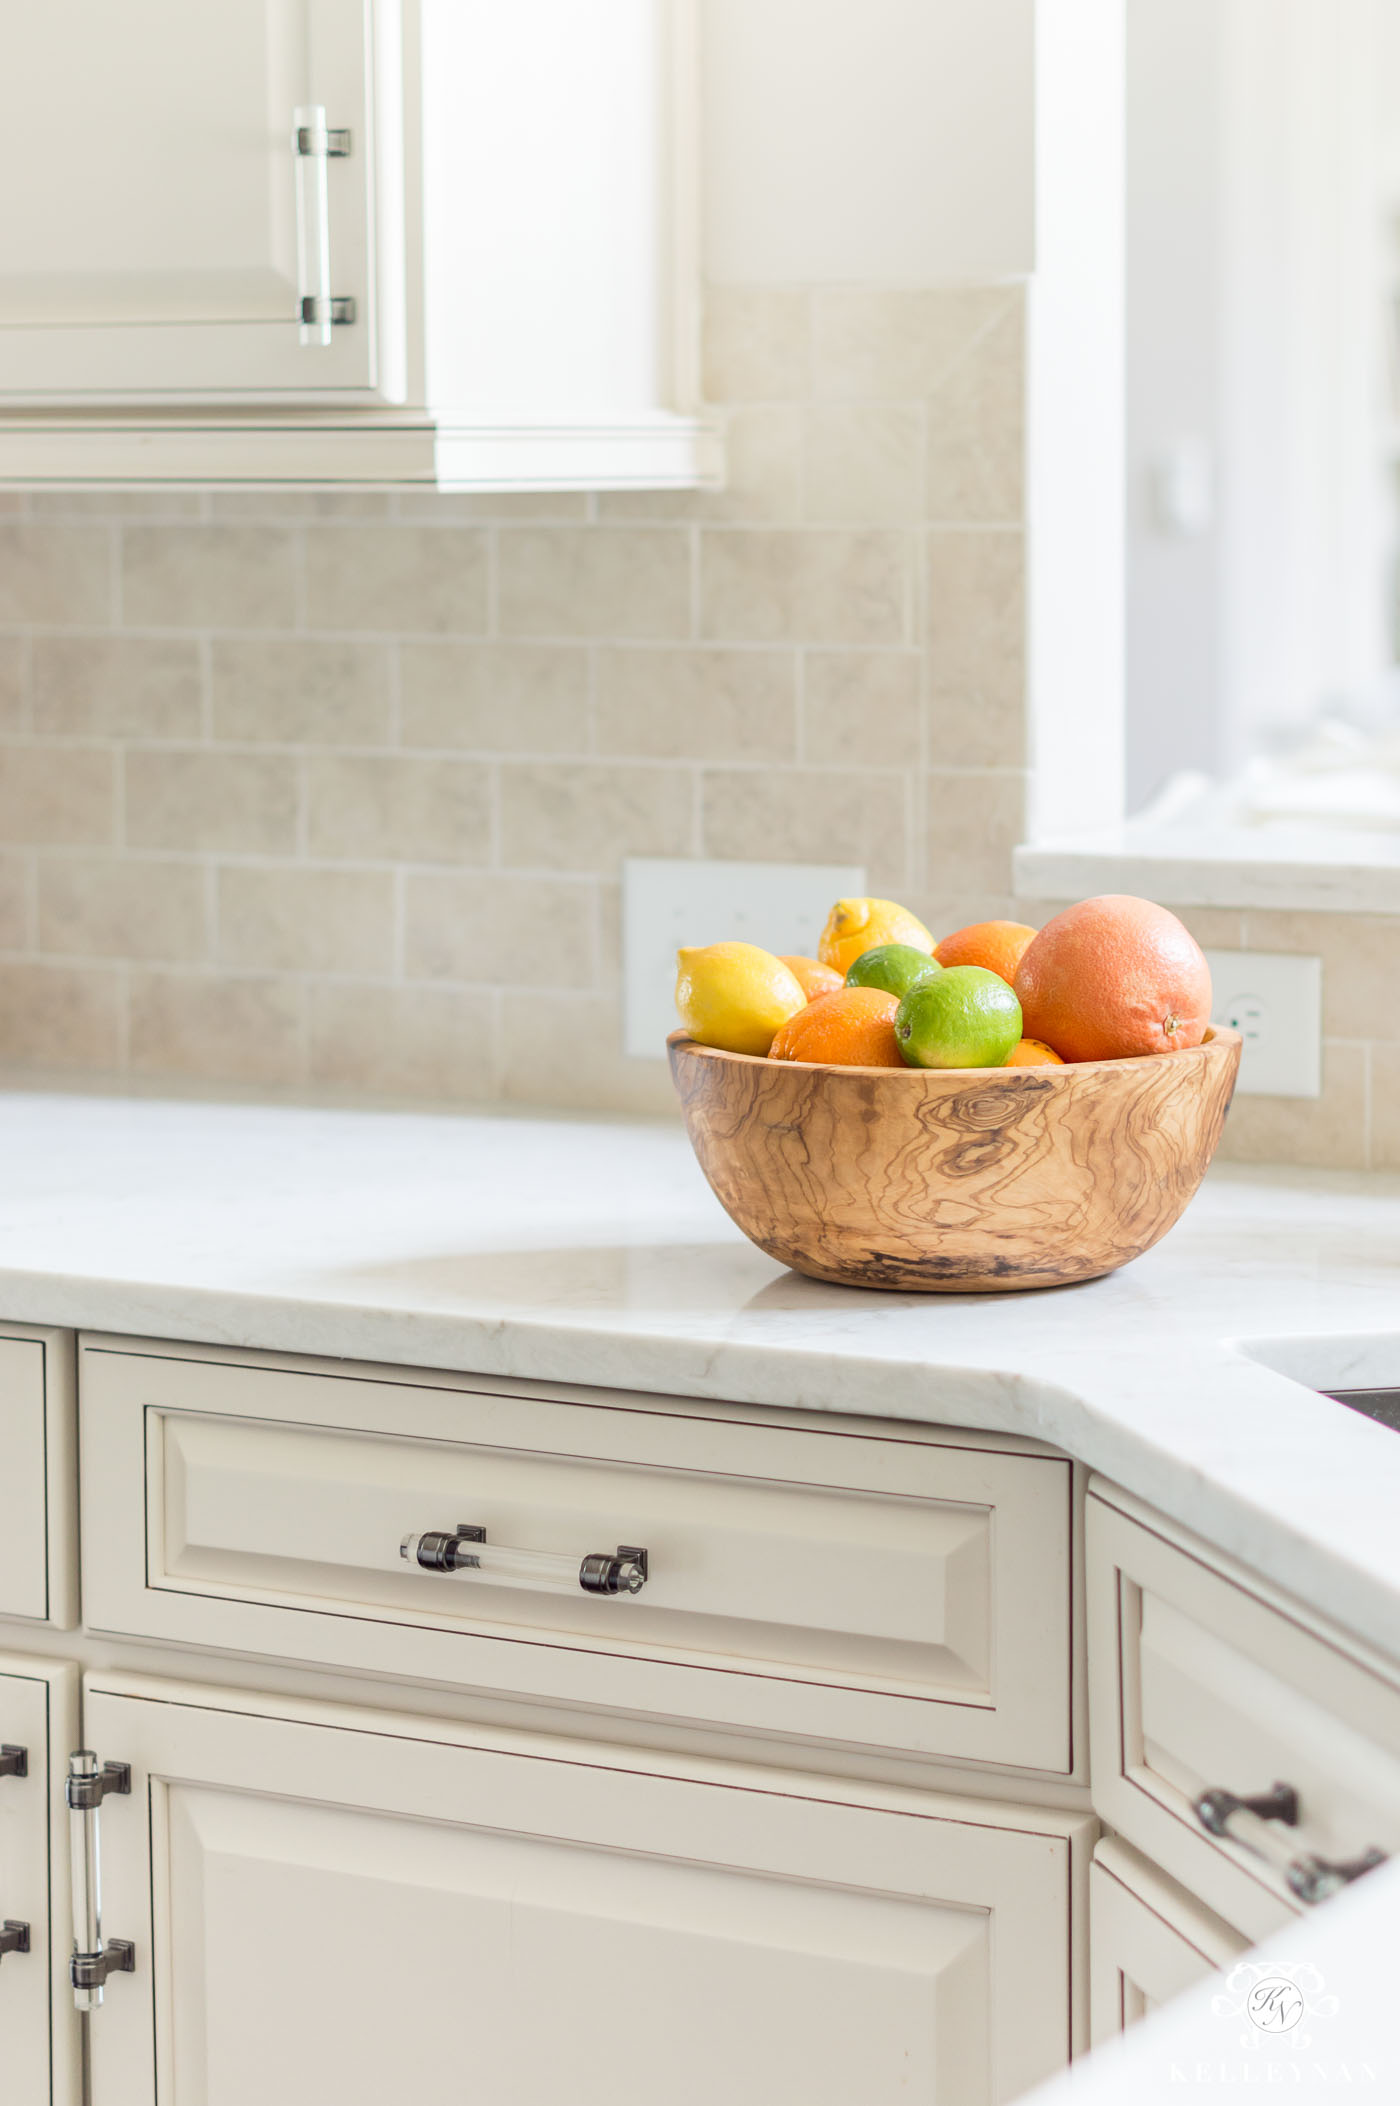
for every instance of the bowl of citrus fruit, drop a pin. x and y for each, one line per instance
(1003, 1108)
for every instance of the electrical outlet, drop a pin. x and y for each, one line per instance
(667, 903)
(1274, 1001)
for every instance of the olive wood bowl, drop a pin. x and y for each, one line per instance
(955, 1180)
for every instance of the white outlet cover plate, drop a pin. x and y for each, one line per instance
(670, 902)
(1275, 1001)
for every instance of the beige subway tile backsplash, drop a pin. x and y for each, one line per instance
(391, 1041)
(494, 698)
(16, 901)
(861, 709)
(285, 918)
(332, 789)
(869, 343)
(806, 816)
(578, 1062)
(376, 807)
(200, 799)
(57, 796)
(397, 578)
(116, 906)
(1361, 982)
(678, 704)
(975, 465)
(756, 343)
(300, 691)
(976, 646)
(594, 581)
(557, 816)
(1385, 1107)
(60, 1016)
(214, 1027)
(14, 683)
(57, 575)
(498, 930)
(1327, 1131)
(864, 463)
(761, 585)
(208, 577)
(974, 821)
(118, 687)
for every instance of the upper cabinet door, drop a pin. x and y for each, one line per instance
(162, 230)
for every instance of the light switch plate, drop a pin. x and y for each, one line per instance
(1274, 1000)
(667, 903)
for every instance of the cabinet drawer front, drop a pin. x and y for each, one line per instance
(1200, 1684)
(511, 1917)
(1148, 1940)
(37, 1581)
(862, 1587)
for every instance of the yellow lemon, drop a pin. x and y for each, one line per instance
(857, 925)
(735, 995)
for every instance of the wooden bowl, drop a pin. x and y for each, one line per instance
(955, 1180)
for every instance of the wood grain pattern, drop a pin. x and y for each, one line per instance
(956, 1180)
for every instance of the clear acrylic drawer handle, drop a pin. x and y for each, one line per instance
(95, 1958)
(314, 144)
(465, 1549)
(1312, 1879)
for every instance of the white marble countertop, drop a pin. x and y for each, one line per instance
(591, 1251)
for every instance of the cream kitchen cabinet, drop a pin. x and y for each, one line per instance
(1247, 1747)
(38, 1490)
(159, 255)
(356, 1905)
(618, 1744)
(1148, 1940)
(40, 2038)
(349, 242)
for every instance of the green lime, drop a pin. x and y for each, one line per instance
(896, 967)
(966, 1017)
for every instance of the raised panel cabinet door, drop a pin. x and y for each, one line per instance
(40, 2048)
(1148, 1940)
(357, 1906)
(150, 244)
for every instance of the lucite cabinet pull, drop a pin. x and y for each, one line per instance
(93, 1960)
(14, 1762)
(314, 144)
(465, 1549)
(1311, 1879)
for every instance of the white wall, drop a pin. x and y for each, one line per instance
(1254, 304)
(1074, 451)
(868, 141)
(1173, 290)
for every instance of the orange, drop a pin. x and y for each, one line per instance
(998, 945)
(851, 1029)
(1032, 1053)
(1112, 978)
(812, 977)
(857, 925)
